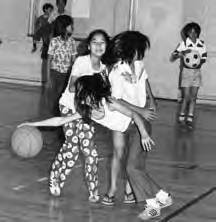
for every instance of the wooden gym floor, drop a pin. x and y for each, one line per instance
(183, 162)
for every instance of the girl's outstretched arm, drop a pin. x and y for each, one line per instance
(54, 121)
(146, 141)
(146, 113)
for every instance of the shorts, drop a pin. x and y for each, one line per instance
(191, 78)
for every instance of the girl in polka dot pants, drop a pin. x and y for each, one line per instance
(79, 138)
(92, 103)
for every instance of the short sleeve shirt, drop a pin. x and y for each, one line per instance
(62, 52)
(114, 120)
(199, 46)
(134, 93)
(82, 66)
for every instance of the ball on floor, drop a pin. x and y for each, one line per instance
(26, 141)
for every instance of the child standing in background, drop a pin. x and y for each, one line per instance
(61, 55)
(190, 77)
(42, 28)
(43, 31)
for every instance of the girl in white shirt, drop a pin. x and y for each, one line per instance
(88, 64)
(92, 101)
(129, 84)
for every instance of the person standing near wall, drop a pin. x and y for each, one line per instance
(41, 26)
(43, 30)
(190, 81)
(60, 4)
(61, 55)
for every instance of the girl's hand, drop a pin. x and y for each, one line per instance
(147, 143)
(149, 114)
(183, 53)
(153, 105)
(129, 77)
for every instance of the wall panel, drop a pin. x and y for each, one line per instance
(161, 21)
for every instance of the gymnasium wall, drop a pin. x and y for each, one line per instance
(17, 64)
(161, 20)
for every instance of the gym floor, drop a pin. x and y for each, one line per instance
(182, 161)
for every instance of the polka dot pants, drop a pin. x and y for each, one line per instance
(79, 137)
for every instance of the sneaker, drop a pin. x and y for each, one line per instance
(181, 118)
(108, 200)
(164, 199)
(94, 198)
(151, 210)
(129, 198)
(54, 188)
(189, 121)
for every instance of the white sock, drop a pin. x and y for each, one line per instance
(162, 195)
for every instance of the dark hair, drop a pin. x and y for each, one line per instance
(47, 6)
(125, 46)
(84, 44)
(60, 25)
(57, 1)
(89, 92)
(188, 27)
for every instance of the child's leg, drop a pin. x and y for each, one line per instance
(185, 101)
(142, 184)
(129, 196)
(118, 148)
(192, 103)
(58, 163)
(193, 97)
(65, 159)
(86, 135)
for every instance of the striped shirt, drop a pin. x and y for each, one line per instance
(199, 46)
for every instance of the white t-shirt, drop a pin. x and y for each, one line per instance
(82, 66)
(134, 93)
(113, 120)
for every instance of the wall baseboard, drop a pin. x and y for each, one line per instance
(30, 82)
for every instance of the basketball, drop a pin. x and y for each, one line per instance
(26, 141)
(192, 59)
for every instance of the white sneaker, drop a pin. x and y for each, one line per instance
(94, 198)
(164, 199)
(54, 188)
(151, 210)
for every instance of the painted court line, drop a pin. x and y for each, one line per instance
(188, 204)
(42, 179)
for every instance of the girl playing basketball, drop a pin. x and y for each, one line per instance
(125, 55)
(92, 101)
(190, 77)
(87, 64)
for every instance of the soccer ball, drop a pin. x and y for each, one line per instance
(192, 59)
